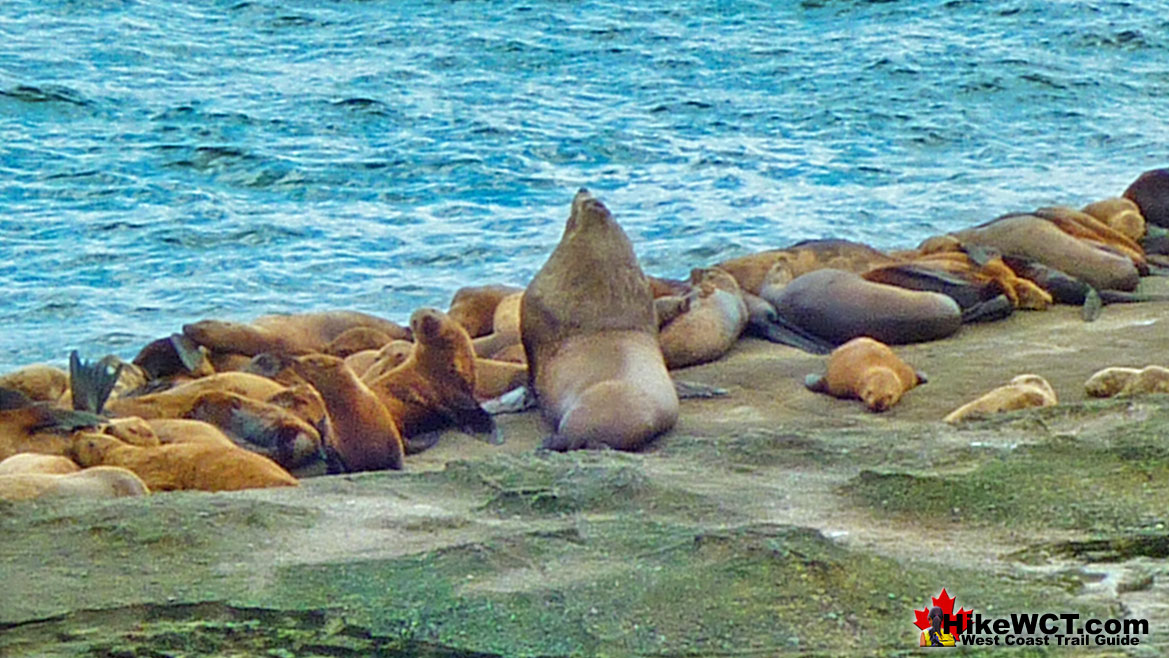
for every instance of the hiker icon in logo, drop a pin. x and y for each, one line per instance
(934, 636)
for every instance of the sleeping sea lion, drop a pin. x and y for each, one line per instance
(182, 465)
(473, 307)
(1121, 214)
(1150, 191)
(91, 483)
(868, 370)
(839, 306)
(39, 382)
(591, 339)
(286, 334)
(712, 322)
(1022, 392)
(32, 462)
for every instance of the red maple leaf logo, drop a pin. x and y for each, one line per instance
(946, 603)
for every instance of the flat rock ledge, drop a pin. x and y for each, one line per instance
(771, 521)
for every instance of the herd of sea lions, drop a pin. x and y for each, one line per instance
(590, 341)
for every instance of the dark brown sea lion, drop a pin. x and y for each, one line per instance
(286, 334)
(839, 306)
(1150, 191)
(590, 335)
(365, 436)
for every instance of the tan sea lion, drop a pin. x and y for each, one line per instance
(494, 378)
(711, 324)
(868, 370)
(1037, 239)
(1108, 382)
(91, 483)
(1150, 379)
(32, 462)
(435, 387)
(357, 339)
(839, 306)
(590, 336)
(182, 465)
(39, 382)
(1150, 191)
(286, 334)
(1085, 227)
(473, 307)
(505, 328)
(174, 402)
(365, 436)
(1022, 392)
(185, 430)
(390, 356)
(1121, 214)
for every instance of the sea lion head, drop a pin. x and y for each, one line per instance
(587, 212)
(881, 389)
(90, 448)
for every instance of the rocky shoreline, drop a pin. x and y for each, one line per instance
(770, 521)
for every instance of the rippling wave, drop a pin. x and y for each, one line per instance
(169, 161)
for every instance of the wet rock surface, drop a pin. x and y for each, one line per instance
(771, 520)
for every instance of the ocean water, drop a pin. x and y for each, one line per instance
(164, 161)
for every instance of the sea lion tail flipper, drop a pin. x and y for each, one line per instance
(420, 443)
(696, 391)
(472, 419)
(91, 383)
(1121, 297)
(1093, 304)
(188, 352)
(11, 398)
(816, 383)
(995, 308)
(922, 378)
(979, 254)
(513, 402)
(778, 330)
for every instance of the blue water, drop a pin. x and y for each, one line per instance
(164, 161)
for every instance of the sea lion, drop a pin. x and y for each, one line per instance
(1150, 191)
(174, 402)
(868, 370)
(175, 356)
(775, 268)
(39, 382)
(356, 340)
(591, 340)
(494, 378)
(1085, 227)
(1109, 381)
(32, 462)
(27, 426)
(390, 356)
(1034, 238)
(286, 334)
(505, 330)
(435, 387)
(91, 483)
(1022, 392)
(182, 465)
(1150, 379)
(1121, 214)
(365, 436)
(714, 318)
(838, 306)
(185, 430)
(473, 307)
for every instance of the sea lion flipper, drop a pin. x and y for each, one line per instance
(697, 391)
(922, 378)
(778, 330)
(91, 383)
(513, 402)
(420, 442)
(995, 308)
(980, 254)
(188, 352)
(816, 383)
(11, 398)
(470, 417)
(1093, 304)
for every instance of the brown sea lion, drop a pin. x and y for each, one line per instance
(41, 427)
(711, 324)
(390, 356)
(175, 402)
(91, 483)
(185, 430)
(39, 382)
(505, 328)
(867, 370)
(591, 340)
(182, 465)
(1150, 191)
(435, 387)
(775, 268)
(286, 334)
(1085, 227)
(365, 436)
(1034, 238)
(494, 378)
(175, 356)
(473, 307)
(32, 462)
(1121, 214)
(839, 306)
(357, 339)
(1022, 392)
